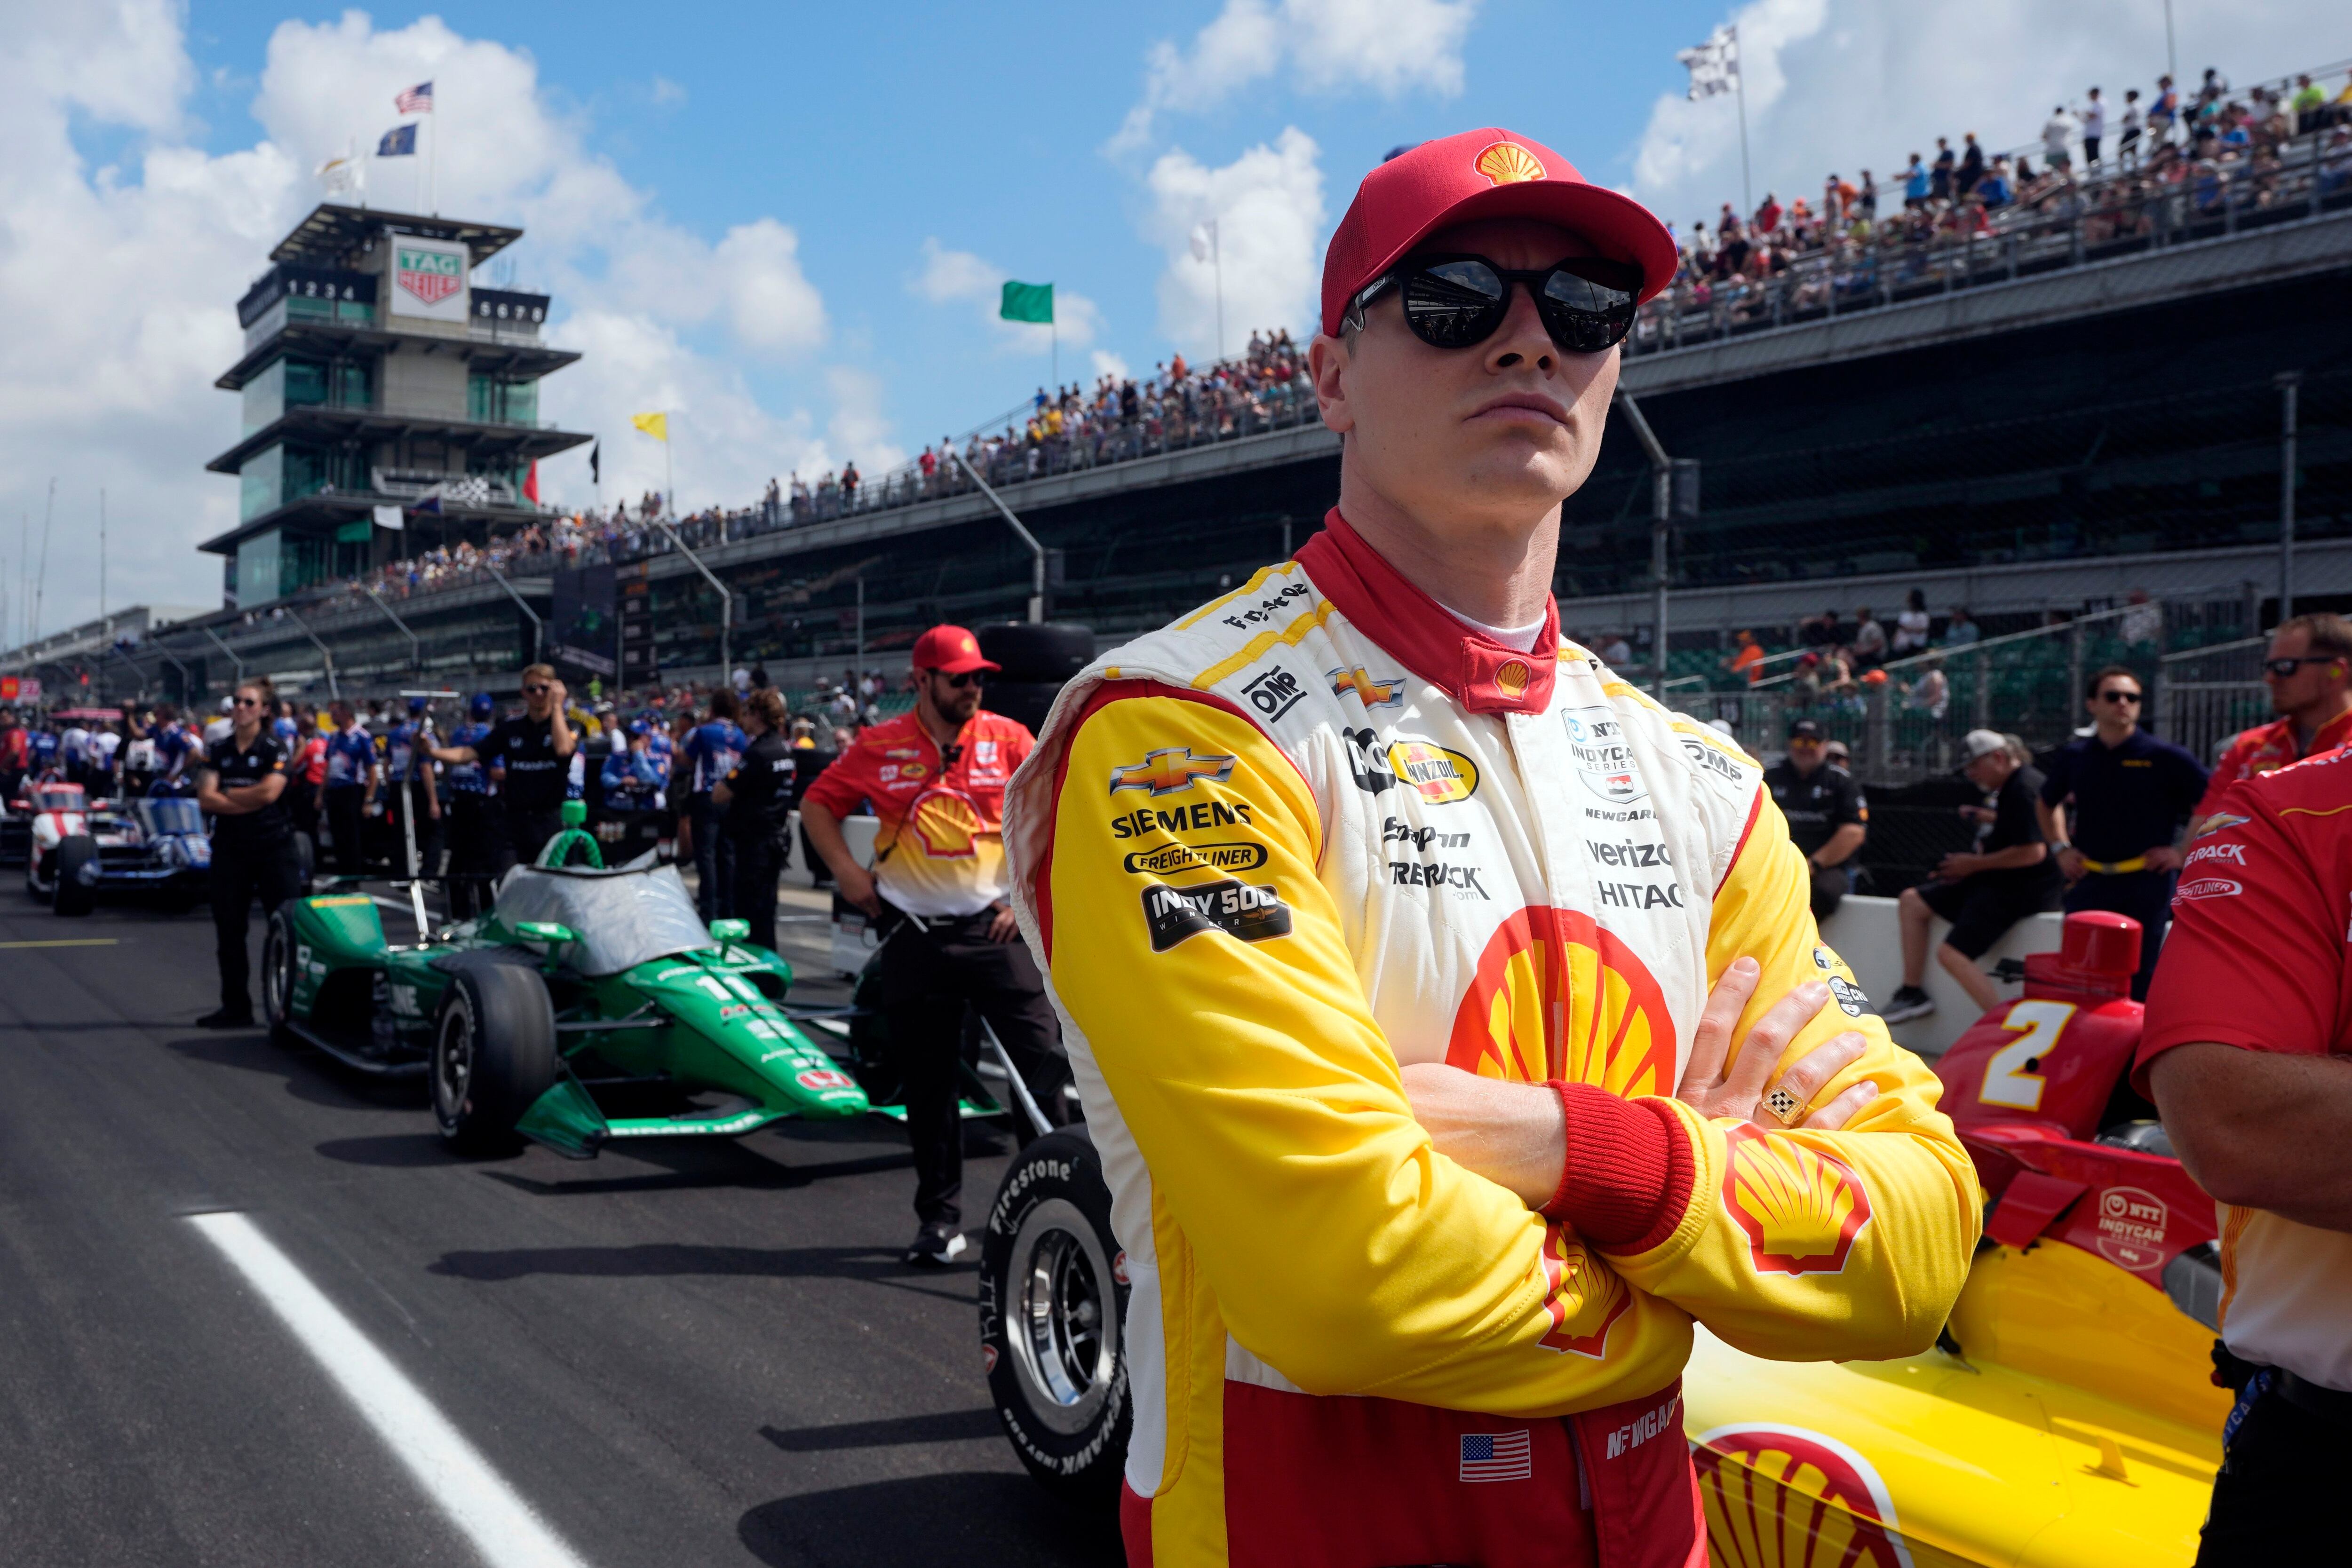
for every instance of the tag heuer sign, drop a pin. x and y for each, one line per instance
(432, 276)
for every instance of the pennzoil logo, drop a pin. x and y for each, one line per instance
(1784, 1497)
(1555, 995)
(1171, 771)
(1583, 1300)
(1802, 1209)
(1508, 164)
(1441, 777)
(1371, 693)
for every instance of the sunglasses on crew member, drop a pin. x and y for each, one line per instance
(248, 701)
(2285, 668)
(1460, 301)
(968, 679)
(533, 691)
(2117, 695)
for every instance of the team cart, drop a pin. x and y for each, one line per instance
(591, 1004)
(77, 849)
(2065, 1415)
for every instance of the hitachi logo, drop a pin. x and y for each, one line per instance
(1642, 1428)
(1640, 896)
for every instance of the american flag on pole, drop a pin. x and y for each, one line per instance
(1497, 1457)
(417, 100)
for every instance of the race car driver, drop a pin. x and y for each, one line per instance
(1382, 922)
(936, 777)
(2248, 1055)
(2309, 671)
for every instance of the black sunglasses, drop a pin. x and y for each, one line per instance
(968, 678)
(2283, 668)
(1459, 301)
(2119, 696)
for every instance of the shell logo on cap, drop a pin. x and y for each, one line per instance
(967, 645)
(1508, 164)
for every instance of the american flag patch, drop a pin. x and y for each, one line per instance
(1496, 1456)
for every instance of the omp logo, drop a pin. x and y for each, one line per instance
(1650, 1423)
(1802, 1209)
(1171, 771)
(1389, 692)
(1583, 1300)
(946, 826)
(432, 276)
(1276, 692)
(1783, 1497)
(1556, 996)
(1169, 859)
(1440, 775)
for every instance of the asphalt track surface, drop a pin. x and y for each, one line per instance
(698, 1353)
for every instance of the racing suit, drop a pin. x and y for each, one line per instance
(2265, 749)
(1319, 828)
(2258, 960)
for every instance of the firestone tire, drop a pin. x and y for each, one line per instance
(1052, 1308)
(279, 958)
(1050, 652)
(493, 1054)
(76, 890)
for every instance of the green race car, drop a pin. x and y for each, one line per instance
(584, 991)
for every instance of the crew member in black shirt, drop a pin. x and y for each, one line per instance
(2133, 795)
(1825, 810)
(243, 784)
(757, 799)
(1982, 892)
(532, 752)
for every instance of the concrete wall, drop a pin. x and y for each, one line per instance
(1866, 934)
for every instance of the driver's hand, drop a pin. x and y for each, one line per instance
(557, 695)
(857, 886)
(1006, 928)
(1712, 1090)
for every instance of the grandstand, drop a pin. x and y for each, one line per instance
(2031, 417)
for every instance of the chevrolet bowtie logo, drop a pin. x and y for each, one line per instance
(1369, 692)
(1166, 772)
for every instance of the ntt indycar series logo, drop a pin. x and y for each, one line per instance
(1596, 740)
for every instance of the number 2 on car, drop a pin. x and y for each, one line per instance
(2008, 1079)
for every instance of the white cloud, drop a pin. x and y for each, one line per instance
(1392, 47)
(1846, 85)
(1268, 205)
(1107, 363)
(118, 283)
(666, 92)
(858, 426)
(958, 277)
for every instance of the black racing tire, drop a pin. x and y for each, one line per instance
(1050, 652)
(279, 953)
(1053, 1310)
(493, 1054)
(306, 860)
(77, 858)
(1025, 703)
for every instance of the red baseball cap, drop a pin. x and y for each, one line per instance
(951, 650)
(1487, 173)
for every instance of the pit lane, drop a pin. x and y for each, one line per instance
(683, 1353)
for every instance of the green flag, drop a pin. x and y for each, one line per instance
(1027, 302)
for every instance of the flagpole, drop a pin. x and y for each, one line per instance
(1217, 260)
(433, 156)
(669, 470)
(101, 560)
(1739, 89)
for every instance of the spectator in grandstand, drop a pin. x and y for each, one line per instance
(1984, 891)
(1826, 812)
(1618, 653)
(1915, 185)
(1768, 214)
(1931, 693)
(1912, 625)
(1961, 628)
(2163, 113)
(1746, 660)
(1865, 199)
(1821, 631)
(1869, 647)
(2127, 143)
(2309, 671)
(2093, 126)
(1939, 180)
(2142, 623)
(1971, 169)
(2132, 795)
(1806, 683)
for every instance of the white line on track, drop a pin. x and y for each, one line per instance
(476, 1499)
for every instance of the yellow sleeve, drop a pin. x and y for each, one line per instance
(1228, 1023)
(1807, 1245)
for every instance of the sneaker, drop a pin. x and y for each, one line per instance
(223, 1019)
(1910, 1002)
(936, 1246)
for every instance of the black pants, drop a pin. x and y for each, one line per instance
(928, 977)
(241, 871)
(2275, 1501)
(2146, 897)
(344, 822)
(819, 873)
(473, 855)
(1831, 883)
(755, 864)
(522, 834)
(714, 864)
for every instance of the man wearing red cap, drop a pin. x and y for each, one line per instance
(935, 776)
(1449, 1016)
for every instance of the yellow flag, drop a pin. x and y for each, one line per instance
(654, 424)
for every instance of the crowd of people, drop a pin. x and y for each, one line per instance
(2108, 163)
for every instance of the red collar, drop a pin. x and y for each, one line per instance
(1481, 675)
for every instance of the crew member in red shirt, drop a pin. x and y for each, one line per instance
(2248, 1055)
(936, 778)
(2310, 673)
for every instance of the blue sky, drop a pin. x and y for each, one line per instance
(787, 224)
